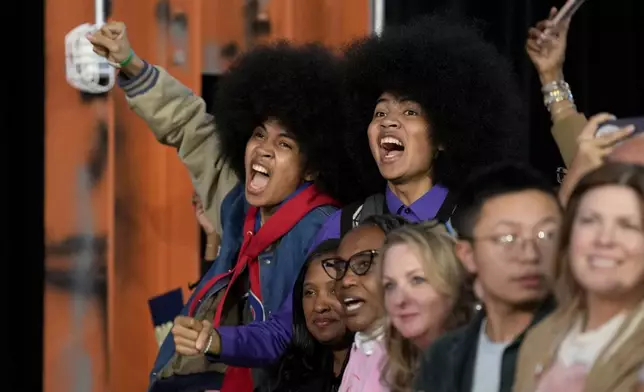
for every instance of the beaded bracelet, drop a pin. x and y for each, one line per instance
(555, 92)
(207, 348)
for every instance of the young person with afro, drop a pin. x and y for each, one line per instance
(269, 171)
(430, 103)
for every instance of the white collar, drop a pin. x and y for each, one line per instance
(367, 342)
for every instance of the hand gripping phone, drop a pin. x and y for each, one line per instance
(611, 126)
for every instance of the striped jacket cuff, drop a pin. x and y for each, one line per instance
(141, 83)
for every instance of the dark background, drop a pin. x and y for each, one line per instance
(605, 68)
(604, 62)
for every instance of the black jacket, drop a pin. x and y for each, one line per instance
(448, 364)
(290, 377)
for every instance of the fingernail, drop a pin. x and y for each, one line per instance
(630, 128)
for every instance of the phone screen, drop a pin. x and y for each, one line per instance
(567, 11)
(611, 126)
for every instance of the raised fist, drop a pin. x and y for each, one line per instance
(111, 42)
(194, 337)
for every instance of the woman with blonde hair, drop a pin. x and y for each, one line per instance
(426, 292)
(594, 342)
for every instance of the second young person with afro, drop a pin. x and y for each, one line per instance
(431, 101)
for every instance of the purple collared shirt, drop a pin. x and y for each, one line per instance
(261, 343)
(422, 209)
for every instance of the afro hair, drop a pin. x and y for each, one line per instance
(463, 83)
(302, 88)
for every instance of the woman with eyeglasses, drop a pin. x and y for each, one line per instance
(355, 270)
(426, 292)
(315, 359)
(594, 341)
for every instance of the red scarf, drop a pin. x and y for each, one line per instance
(288, 215)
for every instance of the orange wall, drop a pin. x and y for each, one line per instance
(333, 22)
(144, 238)
(156, 237)
(76, 138)
(222, 22)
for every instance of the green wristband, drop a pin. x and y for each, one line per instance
(128, 60)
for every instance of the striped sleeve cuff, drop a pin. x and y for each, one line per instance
(141, 83)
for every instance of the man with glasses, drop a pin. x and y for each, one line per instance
(508, 221)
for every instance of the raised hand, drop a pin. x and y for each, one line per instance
(591, 153)
(546, 47)
(593, 150)
(111, 42)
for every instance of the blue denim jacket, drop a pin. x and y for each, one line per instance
(279, 268)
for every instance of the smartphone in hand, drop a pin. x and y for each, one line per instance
(567, 11)
(611, 126)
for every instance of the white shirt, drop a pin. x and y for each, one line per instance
(489, 359)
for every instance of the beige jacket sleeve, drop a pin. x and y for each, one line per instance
(177, 118)
(566, 131)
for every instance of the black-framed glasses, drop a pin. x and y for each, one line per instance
(360, 264)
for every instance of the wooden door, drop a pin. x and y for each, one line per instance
(332, 22)
(78, 211)
(156, 247)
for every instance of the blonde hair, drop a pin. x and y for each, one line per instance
(446, 274)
